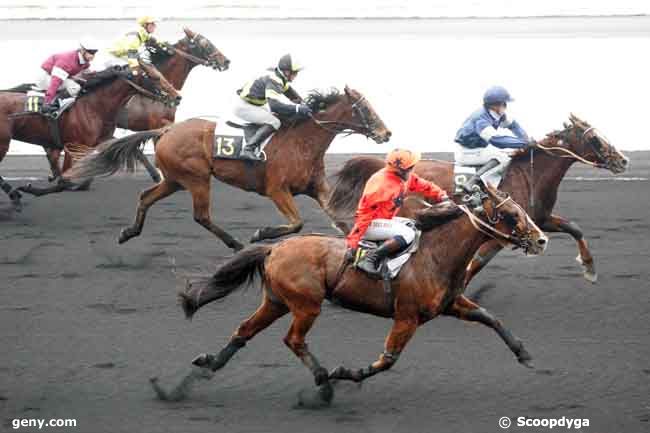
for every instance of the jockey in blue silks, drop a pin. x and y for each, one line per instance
(488, 137)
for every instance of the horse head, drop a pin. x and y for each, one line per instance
(511, 224)
(204, 50)
(353, 112)
(590, 145)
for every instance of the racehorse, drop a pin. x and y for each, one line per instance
(90, 120)
(142, 113)
(294, 162)
(300, 272)
(532, 179)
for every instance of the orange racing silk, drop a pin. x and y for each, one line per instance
(383, 197)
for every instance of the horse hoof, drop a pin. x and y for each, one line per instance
(237, 246)
(589, 270)
(525, 359)
(318, 398)
(203, 360)
(125, 235)
(257, 236)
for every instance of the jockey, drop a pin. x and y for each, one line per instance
(382, 199)
(488, 136)
(131, 49)
(58, 68)
(259, 99)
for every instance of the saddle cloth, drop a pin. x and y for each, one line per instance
(391, 266)
(35, 100)
(231, 136)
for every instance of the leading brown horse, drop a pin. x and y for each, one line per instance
(142, 113)
(533, 184)
(88, 122)
(294, 162)
(299, 273)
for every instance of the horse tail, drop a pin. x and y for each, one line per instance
(113, 155)
(349, 183)
(237, 272)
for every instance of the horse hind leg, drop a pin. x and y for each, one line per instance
(287, 206)
(206, 364)
(147, 198)
(201, 203)
(14, 194)
(295, 340)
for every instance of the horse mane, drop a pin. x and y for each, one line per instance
(97, 80)
(436, 216)
(21, 88)
(321, 100)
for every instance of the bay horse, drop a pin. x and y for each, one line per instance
(89, 121)
(533, 184)
(294, 162)
(299, 273)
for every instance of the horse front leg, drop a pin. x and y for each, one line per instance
(285, 203)
(465, 309)
(558, 224)
(399, 336)
(485, 253)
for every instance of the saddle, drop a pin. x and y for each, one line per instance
(231, 136)
(36, 100)
(390, 266)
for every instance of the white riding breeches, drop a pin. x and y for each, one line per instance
(481, 155)
(255, 114)
(382, 229)
(71, 86)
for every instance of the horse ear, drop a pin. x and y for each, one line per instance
(566, 125)
(347, 90)
(189, 33)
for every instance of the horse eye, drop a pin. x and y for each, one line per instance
(596, 143)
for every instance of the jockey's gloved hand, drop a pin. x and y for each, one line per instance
(303, 110)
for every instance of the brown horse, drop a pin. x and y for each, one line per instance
(299, 273)
(533, 184)
(142, 113)
(88, 122)
(294, 162)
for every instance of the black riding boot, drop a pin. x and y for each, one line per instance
(373, 259)
(250, 150)
(467, 187)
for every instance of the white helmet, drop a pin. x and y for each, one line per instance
(88, 44)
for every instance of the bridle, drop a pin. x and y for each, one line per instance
(519, 241)
(204, 60)
(581, 139)
(366, 127)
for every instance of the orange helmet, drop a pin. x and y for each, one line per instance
(402, 159)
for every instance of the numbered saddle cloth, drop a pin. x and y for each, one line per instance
(462, 173)
(231, 136)
(391, 266)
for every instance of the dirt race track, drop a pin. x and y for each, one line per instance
(84, 323)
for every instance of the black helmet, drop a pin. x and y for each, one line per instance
(287, 63)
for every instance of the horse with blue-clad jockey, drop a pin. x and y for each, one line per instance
(493, 147)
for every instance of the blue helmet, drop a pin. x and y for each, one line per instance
(496, 95)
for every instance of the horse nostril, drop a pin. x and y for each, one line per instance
(541, 241)
(625, 161)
